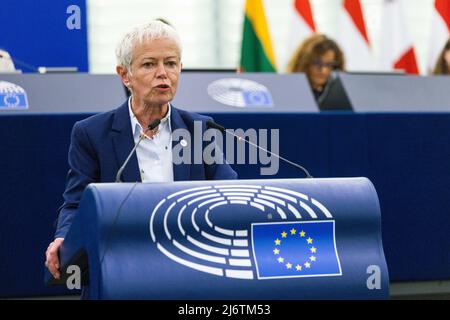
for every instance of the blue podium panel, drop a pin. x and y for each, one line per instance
(248, 239)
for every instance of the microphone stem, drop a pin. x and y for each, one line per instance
(119, 173)
(151, 126)
(271, 153)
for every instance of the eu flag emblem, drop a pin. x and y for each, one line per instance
(257, 98)
(12, 96)
(295, 249)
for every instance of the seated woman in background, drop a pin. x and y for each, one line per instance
(317, 56)
(443, 63)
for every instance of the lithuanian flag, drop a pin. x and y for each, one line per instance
(256, 52)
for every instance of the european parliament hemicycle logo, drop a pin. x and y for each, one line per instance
(12, 97)
(237, 92)
(280, 233)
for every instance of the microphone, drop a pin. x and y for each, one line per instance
(213, 125)
(151, 126)
(20, 63)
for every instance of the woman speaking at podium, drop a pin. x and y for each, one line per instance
(102, 146)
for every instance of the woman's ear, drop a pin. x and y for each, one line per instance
(124, 75)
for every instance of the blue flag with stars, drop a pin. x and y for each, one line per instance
(295, 249)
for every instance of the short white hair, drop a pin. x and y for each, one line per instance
(150, 31)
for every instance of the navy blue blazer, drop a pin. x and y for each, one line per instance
(101, 143)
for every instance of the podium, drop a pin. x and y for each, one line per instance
(243, 239)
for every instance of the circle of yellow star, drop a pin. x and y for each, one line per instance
(299, 267)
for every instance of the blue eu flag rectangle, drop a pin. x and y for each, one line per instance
(295, 249)
(257, 98)
(13, 101)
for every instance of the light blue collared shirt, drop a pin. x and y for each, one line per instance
(154, 155)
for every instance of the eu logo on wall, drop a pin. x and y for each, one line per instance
(12, 97)
(242, 93)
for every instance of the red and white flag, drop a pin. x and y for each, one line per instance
(302, 25)
(440, 31)
(353, 37)
(397, 49)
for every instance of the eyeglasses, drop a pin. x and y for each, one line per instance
(319, 64)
